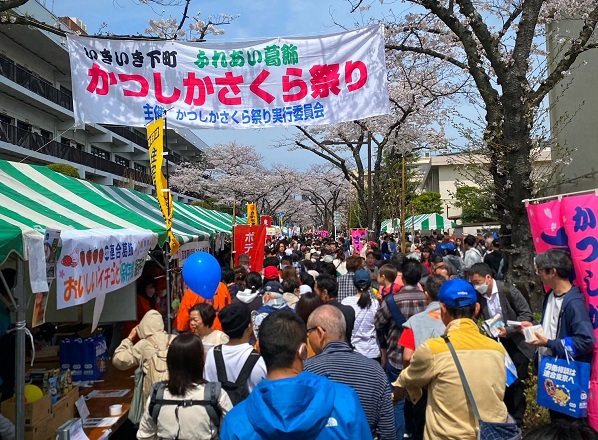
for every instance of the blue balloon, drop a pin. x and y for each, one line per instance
(201, 273)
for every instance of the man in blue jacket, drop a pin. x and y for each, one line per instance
(289, 403)
(566, 322)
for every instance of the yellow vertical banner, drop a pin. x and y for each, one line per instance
(155, 145)
(252, 214)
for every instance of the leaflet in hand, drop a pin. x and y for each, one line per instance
(491, 326)
(529, 333)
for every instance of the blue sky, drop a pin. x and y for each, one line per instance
(257, 19)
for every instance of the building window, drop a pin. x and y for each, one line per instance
(100, 153)
(121, 160)
(140, 168)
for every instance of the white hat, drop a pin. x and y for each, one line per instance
(304, 288)
(288, 251)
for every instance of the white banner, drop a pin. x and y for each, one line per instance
(189, 248)
(253, 84)
(94, 262)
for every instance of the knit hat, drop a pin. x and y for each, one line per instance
(328, 259)
(457, 293)
(234, 319)
(271, 273)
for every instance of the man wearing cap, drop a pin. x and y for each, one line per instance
(236, 323)
(338, 362)
(448, 414)
(271, 274)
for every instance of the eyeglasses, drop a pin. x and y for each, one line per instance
(309, 330)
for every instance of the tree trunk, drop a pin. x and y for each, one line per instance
(510, 146)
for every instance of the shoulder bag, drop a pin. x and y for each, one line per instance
(488, 430)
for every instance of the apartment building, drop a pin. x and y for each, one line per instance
(36, 113)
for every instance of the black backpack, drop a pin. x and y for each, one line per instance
(237, 391)
(210, 402)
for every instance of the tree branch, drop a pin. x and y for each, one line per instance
(426, 51)
(577, 47)
(185, 16)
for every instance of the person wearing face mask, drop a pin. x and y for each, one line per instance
(499, 298)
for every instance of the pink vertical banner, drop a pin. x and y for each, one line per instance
(356, 235)
(571, 223)
(546, 224)
(580, 214)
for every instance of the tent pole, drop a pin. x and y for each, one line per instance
(168, 291)
(19, 294)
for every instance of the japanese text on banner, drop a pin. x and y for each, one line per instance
(98, 261)
(155, 147)
(268, 83)
(250, 240)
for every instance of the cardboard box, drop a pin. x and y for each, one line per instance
(34, 412)
(65, 409)
(40, 430)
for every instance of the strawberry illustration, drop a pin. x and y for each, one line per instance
(95, 256)
(67, 260)
(82, 258)
(89, 256)
(101, 256)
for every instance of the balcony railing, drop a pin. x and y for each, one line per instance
(40, 144)
(128, 134)
(35, 84)
(136, 137)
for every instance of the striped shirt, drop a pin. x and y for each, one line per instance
(340, 364)
(410, 301)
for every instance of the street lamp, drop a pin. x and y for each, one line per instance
(369, 202)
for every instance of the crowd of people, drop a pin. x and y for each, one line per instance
(327, 342)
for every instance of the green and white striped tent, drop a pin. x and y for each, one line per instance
(184, 228)
(390, 225)
(428, 222)
(33, 198)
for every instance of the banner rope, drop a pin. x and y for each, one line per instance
(51, 140)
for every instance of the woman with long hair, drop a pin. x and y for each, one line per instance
(364, 331)
(176, 418)
(426, 253)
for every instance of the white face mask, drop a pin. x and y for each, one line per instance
(481, 288)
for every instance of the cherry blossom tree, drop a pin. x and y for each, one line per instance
(498, 47)
(418, 88)
(326, 192)
(165, 28)
(235, 174)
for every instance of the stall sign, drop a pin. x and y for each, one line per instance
(94, 262)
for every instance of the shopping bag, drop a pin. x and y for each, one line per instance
(563, 385)
(138, 402)
(511, 370)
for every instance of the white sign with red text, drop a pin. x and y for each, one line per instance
(94, 262)
(230, 85)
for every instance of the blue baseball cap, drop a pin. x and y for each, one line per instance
(457, 293)
(362, 275)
